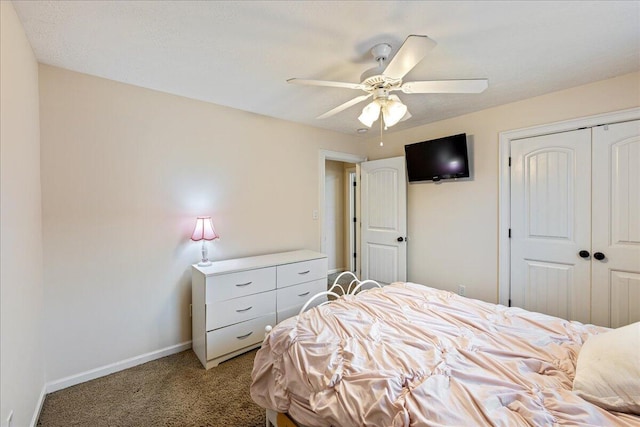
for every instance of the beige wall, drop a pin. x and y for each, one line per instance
(125, 171)
(21, 358)
(453, 226)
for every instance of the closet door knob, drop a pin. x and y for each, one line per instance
(584, 254)
(599, 256)
(400, 239)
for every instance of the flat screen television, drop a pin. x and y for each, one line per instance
(437, 159)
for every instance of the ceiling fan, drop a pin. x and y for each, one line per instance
(380, 81)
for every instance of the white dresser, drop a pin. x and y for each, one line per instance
(233, 300)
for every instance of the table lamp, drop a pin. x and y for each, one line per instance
(204, 231)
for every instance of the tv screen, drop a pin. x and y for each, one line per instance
(442, 158)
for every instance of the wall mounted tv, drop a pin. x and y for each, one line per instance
(437, 159)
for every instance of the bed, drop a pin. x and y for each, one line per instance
(411, 355)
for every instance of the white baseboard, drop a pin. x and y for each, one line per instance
(36, 413)
(337, 270)
(114, 367)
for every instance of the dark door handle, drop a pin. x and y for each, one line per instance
(584, 254)
(599, 256)
(400, 239)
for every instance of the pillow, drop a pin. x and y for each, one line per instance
(608, 370)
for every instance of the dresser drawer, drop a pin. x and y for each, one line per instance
(235, 337)
(297, 295)
(287, 312)
(300, 272)
(223, 313)
(291, 299)
(233, 285)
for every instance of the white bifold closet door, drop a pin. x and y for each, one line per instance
(551, 223)
(616, 225)
(575, 224)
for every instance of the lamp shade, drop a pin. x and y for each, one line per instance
(393, 111)
(204, 229)
(370, 114)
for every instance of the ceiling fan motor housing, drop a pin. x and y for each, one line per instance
(381, 52)
(374, 78)
(381, 94)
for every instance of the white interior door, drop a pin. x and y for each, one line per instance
(384, 220)
(616, 224)
(551, 224)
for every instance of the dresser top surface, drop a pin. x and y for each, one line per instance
(260, 261)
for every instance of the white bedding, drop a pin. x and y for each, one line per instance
(412, 355)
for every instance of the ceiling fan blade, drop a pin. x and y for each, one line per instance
(446, 86)
(410, 53)
(344, 106)
(325, 83)
(407, 116)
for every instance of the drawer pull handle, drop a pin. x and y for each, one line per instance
(244, 309)
(304, 272)
(244, 336)
(244, 284)
(301, 295)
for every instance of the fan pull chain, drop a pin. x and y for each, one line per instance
(381, 143)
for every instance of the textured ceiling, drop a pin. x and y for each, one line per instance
(240, 53)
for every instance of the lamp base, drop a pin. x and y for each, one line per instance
(205, 256)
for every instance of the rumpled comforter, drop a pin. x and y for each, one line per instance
(410, 355)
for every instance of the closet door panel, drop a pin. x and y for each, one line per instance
(625, 298)
(616, 223)
(551, 224)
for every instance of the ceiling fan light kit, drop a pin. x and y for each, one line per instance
(393, 111)
(370, 114)
(379, 81)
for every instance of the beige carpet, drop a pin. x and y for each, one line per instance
(172, 391)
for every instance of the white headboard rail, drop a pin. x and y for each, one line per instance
(352, 289)
(316, 296)
(364, 282)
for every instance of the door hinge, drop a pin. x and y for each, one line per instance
(355, 183)
(509, 302)
(509, 161)
(509, 233)
(355, 255)
(355, 219)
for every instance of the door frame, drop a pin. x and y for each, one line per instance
(351, 180)
(323, 156)
(504, 180)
